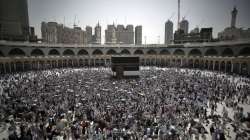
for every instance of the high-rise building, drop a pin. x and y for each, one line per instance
(89, 34)
(184, 26)
(169, 31)
(234, 33)
(108, 33)
(14, 20)
(138, 35)
(129, 36)
(97, 36)
(119, 34)
(53, 32)
(196, 30)
(234, 16)
(204, 35)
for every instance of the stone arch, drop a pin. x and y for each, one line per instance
(16, 52)
(125, 51)
(195, 52)
(37, 52)
(68, 52)
(164, 52)
(111, 52)
(179, 52)
(245, 51)
(54, 52)
(227, 52)
(82, 52)
(211, 52)
(138, 52)
(97, 52)
(151, 52)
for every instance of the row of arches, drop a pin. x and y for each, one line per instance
(227, 66)
(227, 52)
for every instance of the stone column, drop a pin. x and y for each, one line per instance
(4, 67)
(208, 64)
(38, 65)
(219, 66)
(14, 66)
(225, 68)
(232, 67)
(9, 67)
(213, 65)
(23, 65)
(240, 68)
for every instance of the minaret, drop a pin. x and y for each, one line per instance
(234, 16)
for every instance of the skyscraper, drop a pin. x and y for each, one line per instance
(119, 34)
(108, 33)
(138, 35)
(14, 20)
(53, 32)
(184, 26)
(89, 34)
(234, 16)
(97, 35)
(169, 32)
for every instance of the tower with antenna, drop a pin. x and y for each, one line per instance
(98, 34)
(234, 17)
(179, 13)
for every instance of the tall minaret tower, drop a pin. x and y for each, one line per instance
(179, 12)
(234, 16)
(98, 31)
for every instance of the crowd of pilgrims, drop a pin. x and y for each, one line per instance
(163, 104)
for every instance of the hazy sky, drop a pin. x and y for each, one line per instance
(151, 14)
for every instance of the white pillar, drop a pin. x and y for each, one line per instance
(232, 67)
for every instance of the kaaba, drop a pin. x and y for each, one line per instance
(123, 67)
